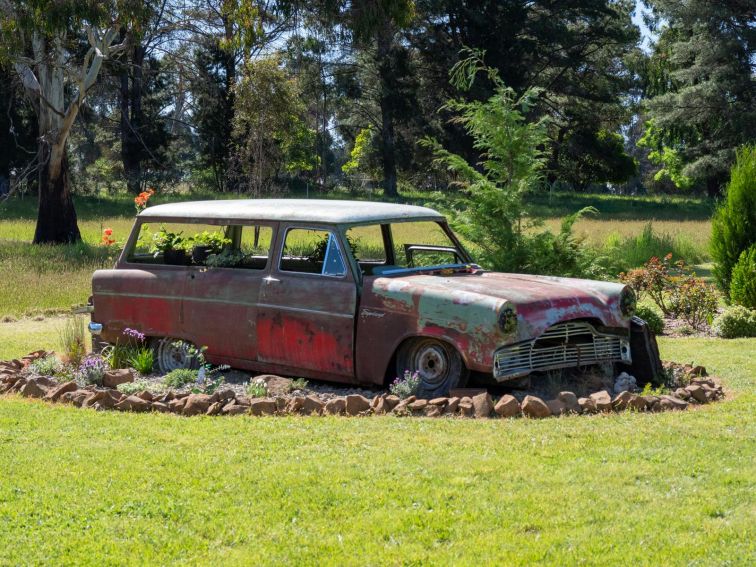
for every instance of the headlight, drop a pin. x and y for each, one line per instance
(627, 302)
(507, 319)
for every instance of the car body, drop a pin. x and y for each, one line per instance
(353, 292)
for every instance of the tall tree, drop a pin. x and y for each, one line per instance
(702, 88)
(44, 48)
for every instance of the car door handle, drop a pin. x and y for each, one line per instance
(270, 279)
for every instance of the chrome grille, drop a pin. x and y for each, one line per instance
(562, 346)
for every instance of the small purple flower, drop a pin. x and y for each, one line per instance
(134, 334)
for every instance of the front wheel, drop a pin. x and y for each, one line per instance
(172, 354)
(439, 365)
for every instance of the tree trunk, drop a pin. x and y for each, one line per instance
(56, 216)
(131, 120)
(387, 111)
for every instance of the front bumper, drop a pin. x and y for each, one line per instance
(564, 345)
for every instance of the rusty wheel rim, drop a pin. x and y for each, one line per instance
(432, 363)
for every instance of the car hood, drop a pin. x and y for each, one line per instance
(540, 301)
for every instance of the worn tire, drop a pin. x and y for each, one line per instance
(439, 364)
(172, 353)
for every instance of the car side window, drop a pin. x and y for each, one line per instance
(312, 251)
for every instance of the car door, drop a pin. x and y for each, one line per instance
(220, 302)
(305, 317)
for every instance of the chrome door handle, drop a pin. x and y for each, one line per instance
(270, 279)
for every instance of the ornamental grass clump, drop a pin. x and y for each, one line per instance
(91, 370)
(257, 388)
(406, 386)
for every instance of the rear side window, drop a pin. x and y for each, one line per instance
(312, 251)
(197, 244)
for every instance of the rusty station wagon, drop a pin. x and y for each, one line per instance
(344, 291)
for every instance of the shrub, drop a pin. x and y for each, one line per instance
(72, 337)
(736, 321)
(91, 370)
(653, 279)
(180, 377)
(48, 366)
(142, 360)
(406, 386)
(298, 384)
(733, 227)
(743, 279)
(652, 319)
(257, 388)
(693, 300)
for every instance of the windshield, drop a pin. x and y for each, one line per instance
(400, 246)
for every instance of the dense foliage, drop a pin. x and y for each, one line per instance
(734, 224)
(736, 322)
(743, 280)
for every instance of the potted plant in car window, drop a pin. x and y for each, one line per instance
(205, 243)
(170, 245)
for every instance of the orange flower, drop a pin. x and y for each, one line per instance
(106, 237)
(140, 201)
(108, 231)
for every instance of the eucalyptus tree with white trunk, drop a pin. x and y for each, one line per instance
(43, 50)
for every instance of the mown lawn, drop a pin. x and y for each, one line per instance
(81, 487)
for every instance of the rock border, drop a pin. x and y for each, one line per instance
(700, 390)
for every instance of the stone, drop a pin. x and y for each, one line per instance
(556, 407)
(602, 400)
(18, 384)
(263, 406)
(507, 406)
(698, 371)
(533, 406)
(704, 382)
(133, 403)
(54, 394)
(625, 382)
(277, 385)
(697, 393)
(45, 381)
(621, 401)
(235, 409)
(336, 406)
(110, 399)
(673, 403)
(587, 405)
(160, 407)
(146, 395)
(222, 396)
(466, 407)
(432, 410)
(652, 403)
(379, 406)
(196, 404)
(312, 406)
(177, 405)
(570, 401)
(482, 405)
(682, 393)
(441, 402)
(637, 403)
(390, 402)
(214, 409)
(112, 378)
(356, 404)
(32, 390)
(295, 404)
(466, 392)
(451, 405)
(417, 405)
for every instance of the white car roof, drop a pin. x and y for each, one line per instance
(299, 210)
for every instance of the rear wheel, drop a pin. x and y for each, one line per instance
(439, 365)
(172, 354)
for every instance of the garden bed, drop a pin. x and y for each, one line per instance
(282, 396)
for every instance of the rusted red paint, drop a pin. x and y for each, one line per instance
(340, 328)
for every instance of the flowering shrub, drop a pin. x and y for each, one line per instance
(91, 370)
(406, 386)
(694, 301)
(140, 201)
(107, 237)
(652, 279)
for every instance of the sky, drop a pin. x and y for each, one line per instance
(647, 36)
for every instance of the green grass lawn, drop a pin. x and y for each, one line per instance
(82, 487)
